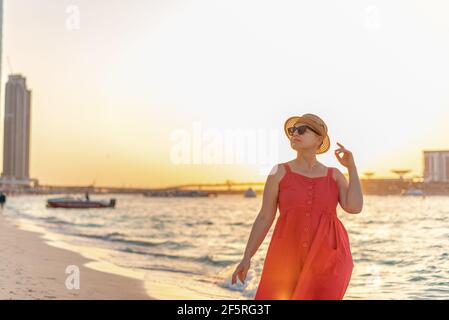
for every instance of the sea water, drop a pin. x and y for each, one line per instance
(189, 247)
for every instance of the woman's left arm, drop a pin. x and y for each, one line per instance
(350, 195)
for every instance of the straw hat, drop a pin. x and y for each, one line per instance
(316, 123)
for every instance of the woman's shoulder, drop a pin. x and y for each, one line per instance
(337, 174)
(278, 171)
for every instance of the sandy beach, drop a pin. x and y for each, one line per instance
(32, 269)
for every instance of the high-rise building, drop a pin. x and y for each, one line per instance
(436, 165)
(16, 138)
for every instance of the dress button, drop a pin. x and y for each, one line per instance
(310, 187)
(306, 229)
(309, 202)
(307, 214)
(304, 244)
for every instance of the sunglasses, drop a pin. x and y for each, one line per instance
(300, 129)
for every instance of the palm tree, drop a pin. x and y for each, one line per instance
(368, 174)
(401, 172)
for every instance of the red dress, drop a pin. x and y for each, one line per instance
(309, 256)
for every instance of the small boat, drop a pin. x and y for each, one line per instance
(194, 193)
(177, 193)
(250, 193)
(73, 203)
(413, 192)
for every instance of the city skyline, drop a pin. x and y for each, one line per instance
(109, 93)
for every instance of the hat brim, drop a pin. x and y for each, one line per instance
(293, 120)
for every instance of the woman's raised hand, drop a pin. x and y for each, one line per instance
(347, 159)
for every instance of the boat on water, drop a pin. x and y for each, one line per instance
(250, 193)
(178, 193)
(76, 203)
(413, 192)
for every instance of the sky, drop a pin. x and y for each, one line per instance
(121, 88)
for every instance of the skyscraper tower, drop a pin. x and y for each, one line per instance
(16, 138)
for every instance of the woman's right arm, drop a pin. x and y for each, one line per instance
(263, 221)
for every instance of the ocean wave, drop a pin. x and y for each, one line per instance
(121, 238)
(205, 259)
(51, 219)
(170, 269)
(55, 220)
(197, 223)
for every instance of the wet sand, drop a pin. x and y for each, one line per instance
(32, 269)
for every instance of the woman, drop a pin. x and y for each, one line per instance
(309, 255)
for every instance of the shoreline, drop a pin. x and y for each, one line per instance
(34, 267)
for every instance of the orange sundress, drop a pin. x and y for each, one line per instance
(309, 256)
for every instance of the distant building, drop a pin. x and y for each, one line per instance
(436, 166)
(16, 138)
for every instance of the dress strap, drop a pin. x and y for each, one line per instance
(286, 166)
(329, 172)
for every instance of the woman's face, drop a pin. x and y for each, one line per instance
(305, 141)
